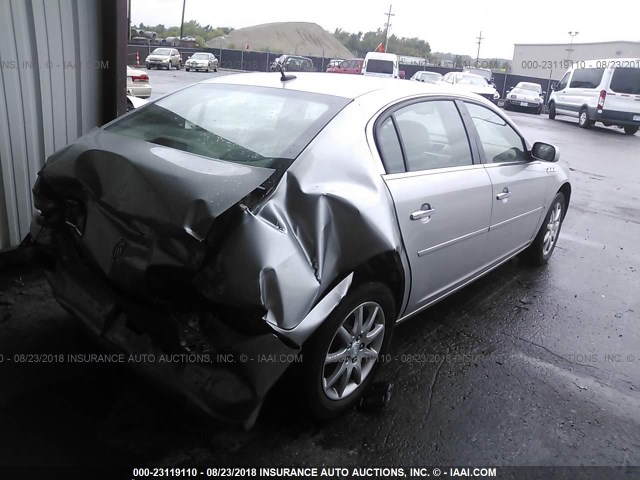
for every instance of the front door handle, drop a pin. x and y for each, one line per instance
(425, 211)
(504, 194)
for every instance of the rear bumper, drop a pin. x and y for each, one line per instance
(143, 91)
(613, 117)
(228, 379)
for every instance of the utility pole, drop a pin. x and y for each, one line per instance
(386, 27)
(570, 49)
(184, 3)
(479, 43)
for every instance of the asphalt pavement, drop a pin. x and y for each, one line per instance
(527, 366)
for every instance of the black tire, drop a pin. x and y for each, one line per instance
(317, 348)
(148, 67)
(631, 130)
(583, 118)
(186, 69)
(539, 253)
(552, 111)
(207, 70)
(507, 106)
(215, 69)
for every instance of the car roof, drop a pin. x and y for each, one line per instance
(346, 86)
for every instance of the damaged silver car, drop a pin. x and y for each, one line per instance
(254, 220)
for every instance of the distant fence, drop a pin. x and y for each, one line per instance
(252, 61)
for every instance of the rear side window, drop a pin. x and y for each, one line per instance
(586, 78)
(380, 66)
(264, 127)
(432, 136)
(389, 146)
(626, 80)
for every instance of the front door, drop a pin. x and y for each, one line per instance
(519, 184)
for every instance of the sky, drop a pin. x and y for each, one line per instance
(448, 25)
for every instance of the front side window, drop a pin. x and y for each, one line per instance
(562, 84)
(500, 142)
(251, 125)
(586, 77)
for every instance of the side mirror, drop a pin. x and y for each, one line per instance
(553, 88)
(545, 152)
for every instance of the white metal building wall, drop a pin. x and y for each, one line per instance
(546, 60)
(49, 94)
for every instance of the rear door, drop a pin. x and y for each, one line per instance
(442, 198)
(624, 92)
(519, 184)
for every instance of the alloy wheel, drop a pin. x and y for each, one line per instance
(353, 351)
(553, 227)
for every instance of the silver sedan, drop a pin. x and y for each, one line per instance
(202, 61)
(254, 221)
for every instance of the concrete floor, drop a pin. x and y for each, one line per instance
(524, 367)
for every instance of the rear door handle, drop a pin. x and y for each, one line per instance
(425, 211)
(505, 194)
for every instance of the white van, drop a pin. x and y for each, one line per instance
(378, 64)
(606, 91)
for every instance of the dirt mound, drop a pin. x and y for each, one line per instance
(297, 38)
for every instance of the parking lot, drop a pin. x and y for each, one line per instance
(527, 366)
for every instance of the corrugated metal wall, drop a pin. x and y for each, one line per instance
(50, 86)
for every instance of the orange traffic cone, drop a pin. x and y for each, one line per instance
(137, 59)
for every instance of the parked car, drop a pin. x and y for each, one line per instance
(292, 63)
(427, 77)
(380, 64)
(164, 58)
(312, 219)
(471, 83)
(606, 91)
(204, 61)
(483, 72)
(138, 83)
(334, 62)
(352, 66)
(525, 95)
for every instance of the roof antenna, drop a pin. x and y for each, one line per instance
(283, 76)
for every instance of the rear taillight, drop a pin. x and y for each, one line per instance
(601, 99)
(140, 78)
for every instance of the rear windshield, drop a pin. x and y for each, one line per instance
(626, 80)
(380, 66)
(242, 124)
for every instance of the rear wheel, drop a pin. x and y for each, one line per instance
(344, 354)
(583, 119)
(630, 130)
(539, 252)
(552, 111)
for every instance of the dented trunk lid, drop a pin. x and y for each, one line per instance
(131, 205)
